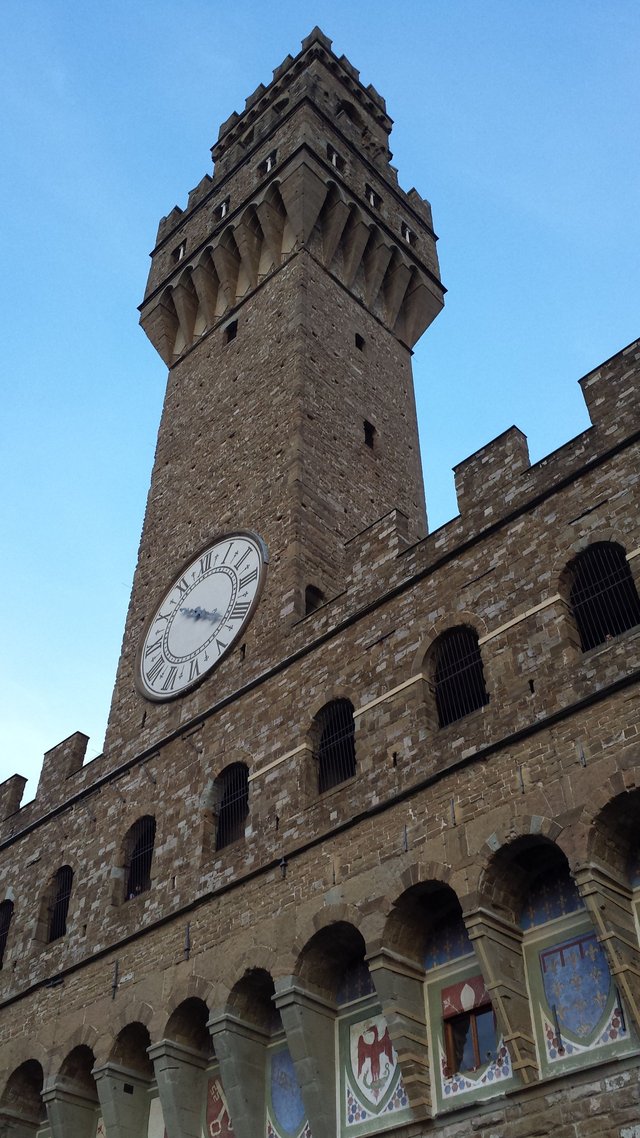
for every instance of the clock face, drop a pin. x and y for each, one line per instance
(201, 616)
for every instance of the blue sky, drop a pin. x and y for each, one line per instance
(518, 119)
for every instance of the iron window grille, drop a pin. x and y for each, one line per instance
(336, 753)
(6, 913)
(60, 907)
(603, 595)
(459, 676)
(233, 785)
(141, 841)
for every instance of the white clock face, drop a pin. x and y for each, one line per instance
(201, 616)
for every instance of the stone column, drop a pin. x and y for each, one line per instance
(498, 946)
(240, 1049)
(609, 902)
(72, 1113)
(124, 1100)
(182, 1085)
(309, 1023)
(399, 983)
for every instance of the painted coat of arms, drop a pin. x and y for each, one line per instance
(218, 1122)
(373, 1060)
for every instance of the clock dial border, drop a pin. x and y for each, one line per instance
(263, 559)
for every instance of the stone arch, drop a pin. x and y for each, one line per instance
(130, 1047)
(334, 947)
(251, 1000)
(614, 835)
(21, 1098)
(77, 1069)
(415, 913)
(443, 624)
(503, 878)
(187, 1025)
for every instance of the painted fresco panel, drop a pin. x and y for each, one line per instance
(371, 1086)
(575, 1004)
(217, 1123)
(286, 1116)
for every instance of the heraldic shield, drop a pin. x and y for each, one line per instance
(576, 984)
(373, 1062)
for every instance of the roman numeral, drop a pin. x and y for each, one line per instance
(155, 671)
(193, 670)
(248, 578)
(170, 680)
(239, 610)
(221, 646)
(243, 558)
(151, 648)
(229, 548)
(182, 586)
(205, 563)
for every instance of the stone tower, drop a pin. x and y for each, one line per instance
(285, 299)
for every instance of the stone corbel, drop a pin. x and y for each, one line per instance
(240, 1049)
(206, 288)
(124, 1100)
(609, 902)
(160, 324)
(71, 1112)
(399, 983)
(309, 1023)
(498, 946)
(303, 192)
(181, 1078)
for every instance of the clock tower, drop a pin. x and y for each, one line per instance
(285, 300)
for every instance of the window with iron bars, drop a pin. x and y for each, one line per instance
(336, 748)
(59, 909)
(458, 676)
(603, 595)
(6, 913)
(233, 789)
(139, 847)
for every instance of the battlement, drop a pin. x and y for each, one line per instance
(240, 131)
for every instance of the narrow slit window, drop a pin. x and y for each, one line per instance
(336, 159)
(407, 234)
(231, 331)
(269, 162)
(179, 252)
(359, 342)
(374, 199)
(222, 210)
(369, 434)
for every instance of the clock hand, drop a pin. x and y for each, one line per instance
(201, 614)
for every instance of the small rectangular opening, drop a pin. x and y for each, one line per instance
(407, 234)
(179, 252)
(231, 331)
(359, 342)
(374, 199)
(369, 434)
(222, 210)
(336, 160)
(128, 1088)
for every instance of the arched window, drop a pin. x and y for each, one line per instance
(139, 854)
(6, 913)
(335, 748)
(458, 676)
(61, 895)
(233, 791)
(603, 594)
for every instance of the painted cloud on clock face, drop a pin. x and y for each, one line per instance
(201, 616)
